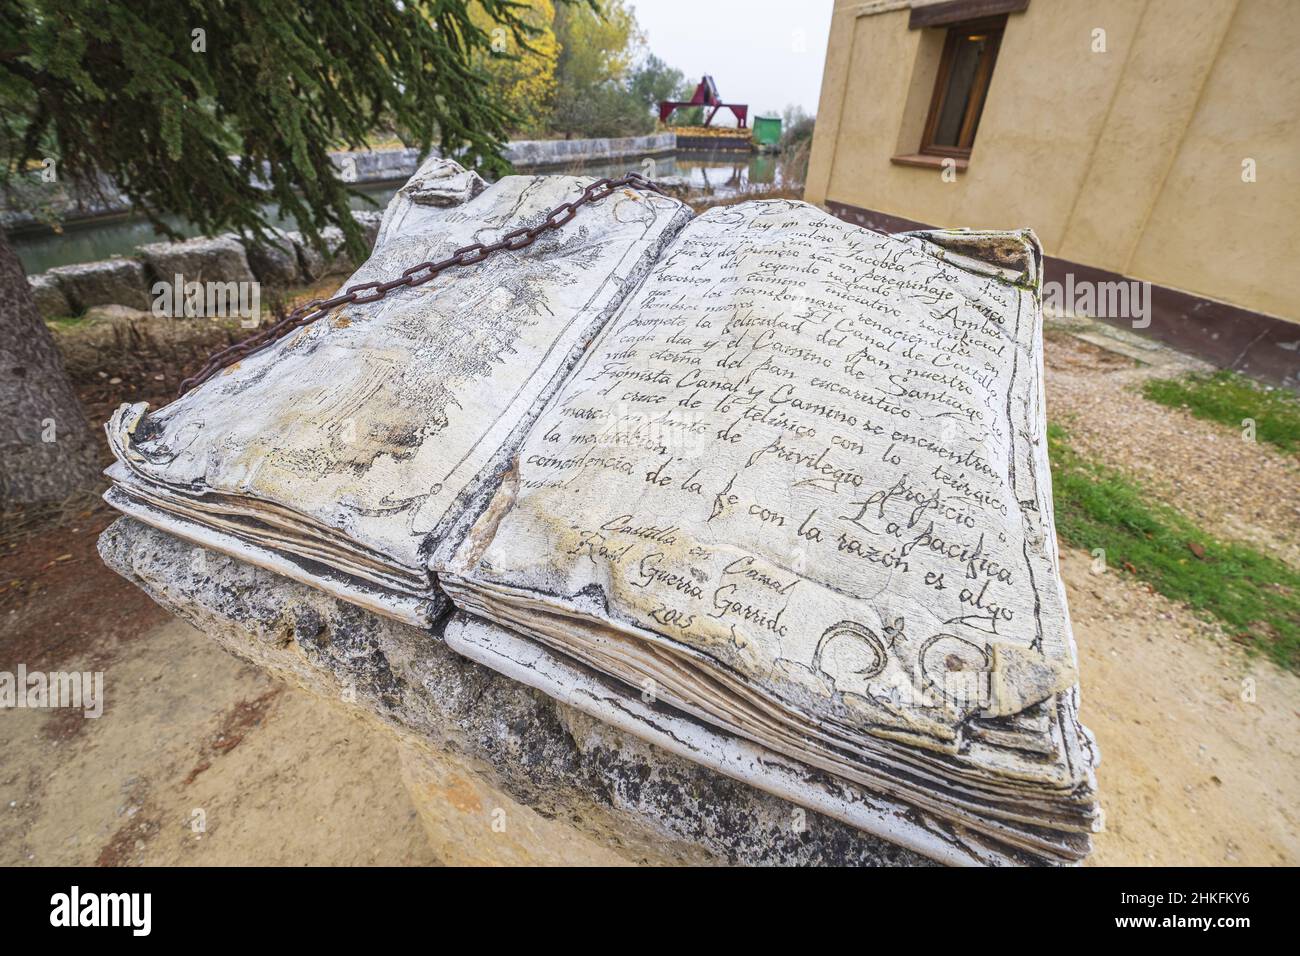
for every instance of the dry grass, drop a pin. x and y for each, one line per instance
(701, 203)
(131, 349)
(20, 523)
(111, 361)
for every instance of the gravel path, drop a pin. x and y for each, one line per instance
(1234, 489)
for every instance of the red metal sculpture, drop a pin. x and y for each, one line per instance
(706, 95)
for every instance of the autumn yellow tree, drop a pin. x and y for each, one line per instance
(582, 70)
(523, 76)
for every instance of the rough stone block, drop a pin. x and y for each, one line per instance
(275, 263)
(336, 261)
(106, 282)
(316, 265)
(51, 301)
(204, 259)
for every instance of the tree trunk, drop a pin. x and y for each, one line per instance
(47, 452)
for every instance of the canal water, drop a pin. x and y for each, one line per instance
(719, 174)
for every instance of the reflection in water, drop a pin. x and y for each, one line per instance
(118, 236)
(721, 174)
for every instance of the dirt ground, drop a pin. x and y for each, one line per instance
(197, 758)
(202, 759)
(1200, 744)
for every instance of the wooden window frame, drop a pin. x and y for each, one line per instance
(995, 26)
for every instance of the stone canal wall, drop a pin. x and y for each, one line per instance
(550, 153)
(360, 167)
(127, 281)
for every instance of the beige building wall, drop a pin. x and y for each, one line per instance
(1128, 160)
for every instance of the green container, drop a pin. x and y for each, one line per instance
(767, 130)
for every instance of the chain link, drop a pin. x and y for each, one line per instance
(417, 275)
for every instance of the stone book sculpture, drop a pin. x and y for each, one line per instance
(758, 485)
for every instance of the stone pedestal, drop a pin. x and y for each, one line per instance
(500, 773)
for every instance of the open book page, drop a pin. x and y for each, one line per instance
(343, 454)
(799, 484)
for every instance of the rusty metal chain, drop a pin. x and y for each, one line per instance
(415, 276)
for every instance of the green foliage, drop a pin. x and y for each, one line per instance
(580, 75)
(686, 115)
(1256, 596)
(131, 90)
(524, 75)
(594, 95)
(1230, 398)
(654, 81)
(796, 127)
(796, 143)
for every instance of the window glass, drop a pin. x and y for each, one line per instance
(967, 53)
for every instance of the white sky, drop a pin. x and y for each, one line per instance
(767, 53)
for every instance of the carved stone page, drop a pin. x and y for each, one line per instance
(799, 488)
(342, 455)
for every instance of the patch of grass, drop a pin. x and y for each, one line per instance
(65, 322)
(1256, 596)
(1228, 398)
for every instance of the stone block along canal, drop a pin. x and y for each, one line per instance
(88, 240)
